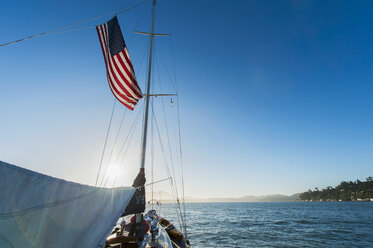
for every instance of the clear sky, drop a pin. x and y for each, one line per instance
(276, 96)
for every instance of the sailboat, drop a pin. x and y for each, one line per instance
(37, 210)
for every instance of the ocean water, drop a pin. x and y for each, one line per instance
(285, 224)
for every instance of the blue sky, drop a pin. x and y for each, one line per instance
(275, 95)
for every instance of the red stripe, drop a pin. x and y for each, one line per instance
(116, 92)
(119, 93)
(129, 73)
(128, 59)
(117, 80)
(125, 97)
(134, 80)
(101, 42)
(129, 84)
(104, 36)
(124, 103)
(130, 65)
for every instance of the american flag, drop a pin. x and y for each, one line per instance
(120, 72)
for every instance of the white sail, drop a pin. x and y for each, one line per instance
(41, 211)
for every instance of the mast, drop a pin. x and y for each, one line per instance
(147, 96)
(138, 200)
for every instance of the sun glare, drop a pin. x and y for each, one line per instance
(113, 171)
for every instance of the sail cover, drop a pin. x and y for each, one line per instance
(41, 211)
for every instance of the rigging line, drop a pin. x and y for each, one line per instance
(180, 140)
(177, 200)
(168, 72)
(174, 190)
(131, 132)
(130, 138)
(173, 186)
(125, 152)
(177, 203)
(159, 181)
(74, 30)
(160, 88)
(115, 142)
(141, 57)
(168, 137)
(74, 24)
(182, 168)
(173, 62)
(182, 213)
(179, 131)
(161, 144)
(174, 81)
(152, 151)
(166, 164)
(160, 204)
(129, 142)
(138, 20)
(107, 135)
(167, 132)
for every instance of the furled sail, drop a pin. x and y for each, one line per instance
(41, 211)
(137, 203)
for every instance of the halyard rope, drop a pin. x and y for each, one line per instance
(74, 24)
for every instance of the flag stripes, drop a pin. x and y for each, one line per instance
(120, 73)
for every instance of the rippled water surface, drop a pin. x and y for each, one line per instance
(290, 224)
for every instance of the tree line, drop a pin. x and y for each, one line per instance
(345, 191)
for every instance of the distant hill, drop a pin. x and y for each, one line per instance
(165, 197)
(250, 198)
